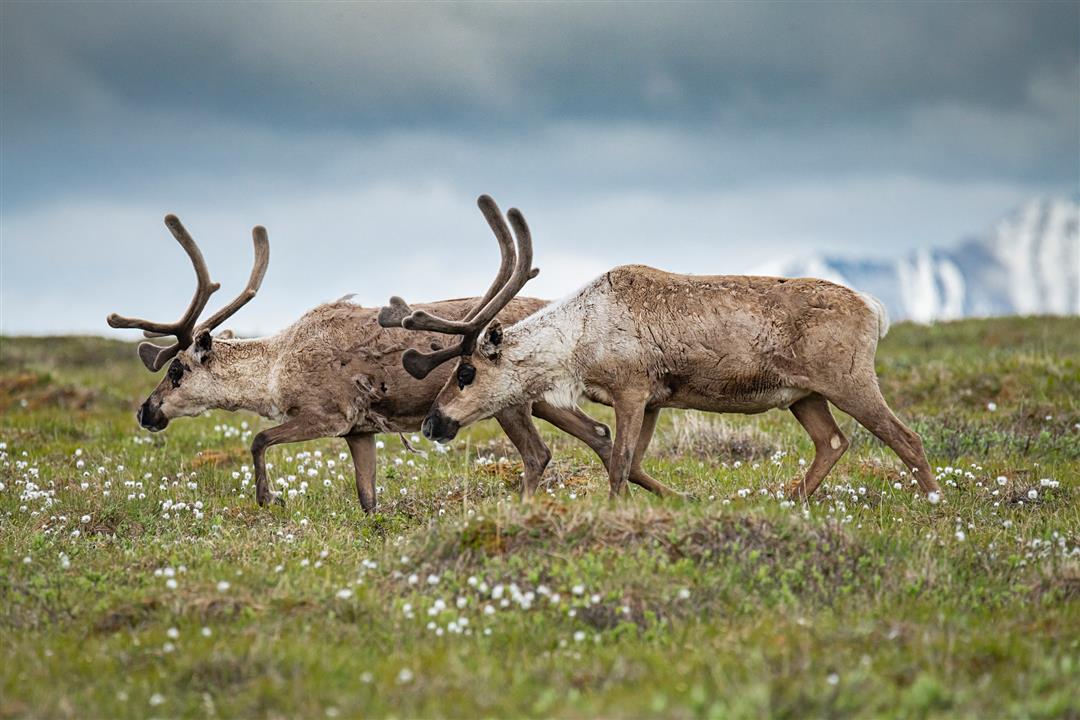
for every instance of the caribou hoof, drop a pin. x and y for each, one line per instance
(795, 494)
(271, 498)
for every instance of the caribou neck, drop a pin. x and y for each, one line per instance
(544, 347)
(245, 371)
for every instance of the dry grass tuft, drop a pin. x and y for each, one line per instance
(706, 436)
(214, 458)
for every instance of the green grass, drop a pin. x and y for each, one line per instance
(870, 601)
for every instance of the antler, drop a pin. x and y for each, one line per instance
(258, 270)
(515, 269)
(184, 330)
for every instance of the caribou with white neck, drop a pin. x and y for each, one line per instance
(641, 339)
(335, 372)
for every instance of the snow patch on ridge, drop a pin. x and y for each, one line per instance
(1028, 263)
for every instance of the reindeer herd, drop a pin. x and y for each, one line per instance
(636, 338)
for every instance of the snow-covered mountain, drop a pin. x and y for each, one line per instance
(1029, 263)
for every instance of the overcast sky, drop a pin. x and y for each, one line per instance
(704, 138)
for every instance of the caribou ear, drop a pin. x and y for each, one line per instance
(225, 335)
(491, 340)
(203, 346)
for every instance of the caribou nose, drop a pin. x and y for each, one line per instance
(151, 418)
(439, 427)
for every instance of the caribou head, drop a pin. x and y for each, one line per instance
(191, 384)
(472, 392)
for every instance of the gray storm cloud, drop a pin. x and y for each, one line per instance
(697, 137)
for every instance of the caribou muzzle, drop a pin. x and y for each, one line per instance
(151, 417)
(439, 427)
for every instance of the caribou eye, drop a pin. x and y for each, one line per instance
(466, 373)
(176, 371)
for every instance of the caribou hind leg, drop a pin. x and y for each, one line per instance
(598, 437)
(645, 434)
(813, 414)
(867, 405)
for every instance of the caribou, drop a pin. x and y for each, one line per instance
(335, 372)
(641, 339)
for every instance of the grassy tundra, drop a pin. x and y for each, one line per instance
(138, 577)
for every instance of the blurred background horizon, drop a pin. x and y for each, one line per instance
(927, 153)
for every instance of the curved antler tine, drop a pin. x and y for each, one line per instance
(420, 365)
(159, 329)
(423, 320)
(154, 356)
(524, 238)
(258, 271)
(391, 315)
(511, 266)
(515, 269)
(204, 288)
(523, 272)
(507, 255)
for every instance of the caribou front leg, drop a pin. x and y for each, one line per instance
(597, 436)
(362, 448)
(516, 422)
(297, 429)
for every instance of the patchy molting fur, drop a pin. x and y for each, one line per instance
(641, 339)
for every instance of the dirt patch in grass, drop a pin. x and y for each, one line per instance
(126, 617)
(208, 609)
(202, 609)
